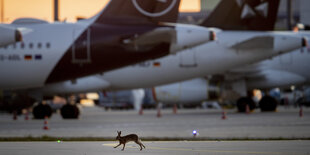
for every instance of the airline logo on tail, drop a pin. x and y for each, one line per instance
(250, 12)
(169, 4)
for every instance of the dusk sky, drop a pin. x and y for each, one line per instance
(69, 9)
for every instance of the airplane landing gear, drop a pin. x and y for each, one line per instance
(243, 102)
(268, 104)
(69, 111)
(41, 110)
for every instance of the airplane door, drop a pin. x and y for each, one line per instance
(81, 49)
(188, 58)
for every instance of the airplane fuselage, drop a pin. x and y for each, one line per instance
(207, 59)
(282, 71)
(58, 52)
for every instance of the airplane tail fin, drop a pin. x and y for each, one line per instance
(139, 11)
(259, 15)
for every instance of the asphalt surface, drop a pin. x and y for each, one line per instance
(173, 147)
(96, 122)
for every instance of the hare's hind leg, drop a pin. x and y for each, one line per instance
(140, 144)
(123, 146)
(117, 145)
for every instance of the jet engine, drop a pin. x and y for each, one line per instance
(9, 35)
(187, 92)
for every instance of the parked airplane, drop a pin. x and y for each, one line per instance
(281, 71)
(208, 59)
(132, 31)
(124, 33)
(285, 70)
(232, 49)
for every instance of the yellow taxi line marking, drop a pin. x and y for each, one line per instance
(114, 144)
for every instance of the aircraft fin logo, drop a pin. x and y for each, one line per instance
(247, 12)
(262, 9)
(169, 4)
(251, 12)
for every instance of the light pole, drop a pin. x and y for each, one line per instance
(203, 5)
(2, 11)
(56, 10)
(289, 14)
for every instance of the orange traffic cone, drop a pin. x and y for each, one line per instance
(45, 127)
(175, 109)
(14, 115)
(247, 109)
(224, 115)
(301, 112)
(158, 112)
(26, 116)
(141, 110)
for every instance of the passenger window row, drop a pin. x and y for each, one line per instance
(23, 45)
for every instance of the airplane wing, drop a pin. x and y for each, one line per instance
(9, 35)
(271, 78)
(275, 42)
(154, 37)
(261, 42)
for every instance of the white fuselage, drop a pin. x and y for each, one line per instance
(27, 64)
(281, 71)
(207, 59)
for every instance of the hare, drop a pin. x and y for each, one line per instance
(125, 139)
